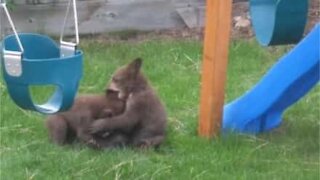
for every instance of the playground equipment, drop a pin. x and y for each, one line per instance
(278, 22)
(285, 83)
(275, 22)
(33, 59)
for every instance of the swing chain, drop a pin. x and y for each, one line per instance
(12, 59)
(4, 6)
(66, 48)
(69, 48)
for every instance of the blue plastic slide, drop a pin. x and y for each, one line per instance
(261, 108)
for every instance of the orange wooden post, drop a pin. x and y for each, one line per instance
(214, 66)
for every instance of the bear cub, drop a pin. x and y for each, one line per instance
(66, 126)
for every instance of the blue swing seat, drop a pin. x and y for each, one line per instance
(42, 65)
(278, 22)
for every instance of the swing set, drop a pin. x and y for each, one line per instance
(34, 59)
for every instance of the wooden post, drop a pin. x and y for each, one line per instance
(214, 66)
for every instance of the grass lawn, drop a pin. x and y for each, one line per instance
(173, 66)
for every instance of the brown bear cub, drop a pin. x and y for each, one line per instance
(144, 118)
(66, 126)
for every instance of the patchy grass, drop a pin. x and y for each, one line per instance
(173, 66)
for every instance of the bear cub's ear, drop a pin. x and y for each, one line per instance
(135, 66)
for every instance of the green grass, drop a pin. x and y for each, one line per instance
(173, 66)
